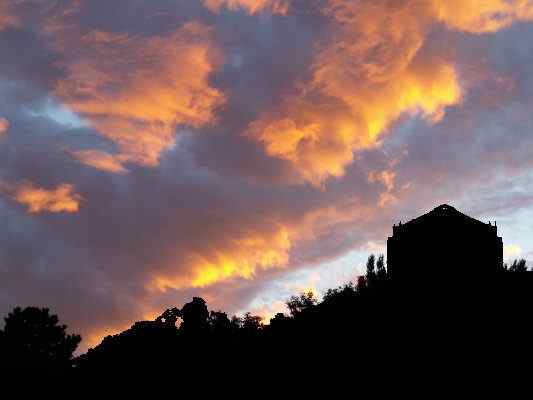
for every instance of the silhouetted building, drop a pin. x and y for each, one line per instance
(442, 244)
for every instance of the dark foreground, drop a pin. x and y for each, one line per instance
(375, 323)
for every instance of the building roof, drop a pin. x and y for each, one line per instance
(444, 211)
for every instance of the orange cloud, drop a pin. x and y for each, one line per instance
(7, 17)
(387, 178)
(136, 91)
(62, 199)
(369, 74)
(244, 255)
(251, 6)
(102, 161)
(250, 254)
(4, 126)
(240, 257)
(482, 16)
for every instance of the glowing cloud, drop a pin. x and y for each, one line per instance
(251, 6)
(62, 199)
(102, 161)
(511, 250)
(240, 258)
(136, 91)
(4, 126)
(269, 311)
(482, 16)
(368, 75)
(387, 178)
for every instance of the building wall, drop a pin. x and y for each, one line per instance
(444, 247)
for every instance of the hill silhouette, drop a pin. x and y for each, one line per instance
(380, 315)
(372, 310)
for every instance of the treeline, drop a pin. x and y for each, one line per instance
(360, 318)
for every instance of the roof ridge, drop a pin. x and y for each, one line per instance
(443, 210)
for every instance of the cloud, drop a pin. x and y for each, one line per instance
(511, 251)
(482, 16)
(269, 311)
(4, 126)
(251, 6)
(373, 70)
(62, 199)
(7, 17)
(135, 91)
(379, 94)
(387, 178)
(102, 161)
(242, 258)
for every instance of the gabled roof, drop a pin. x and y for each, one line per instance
(444, 211)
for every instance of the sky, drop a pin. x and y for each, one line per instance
(247, 150)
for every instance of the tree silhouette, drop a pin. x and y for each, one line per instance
(169, 317)
(252, 323)
(518, 266)
(361, 283)
(33, 338)
(301, 303)
(371, 270)
(219, 322)
(195, 317)
(381, 273)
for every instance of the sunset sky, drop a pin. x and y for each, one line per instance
(247, 150)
